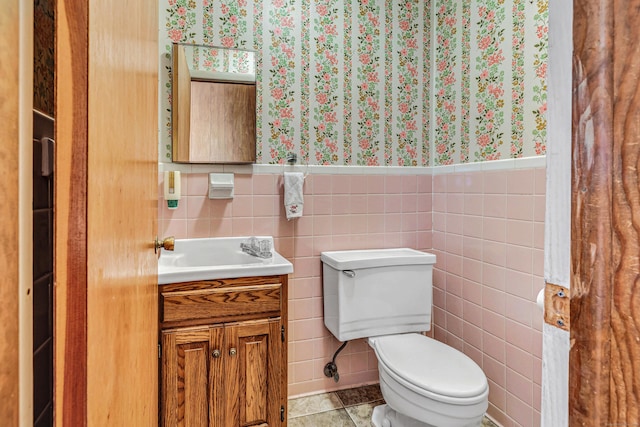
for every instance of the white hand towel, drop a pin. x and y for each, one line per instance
(293, 196)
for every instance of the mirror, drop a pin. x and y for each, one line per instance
(213, 113)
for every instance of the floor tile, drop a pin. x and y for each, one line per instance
(335, 418)
(486, 422)
(358, 395)
(313, 404)
(361, 414)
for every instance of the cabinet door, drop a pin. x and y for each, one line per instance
(188, 380)
(254, 374)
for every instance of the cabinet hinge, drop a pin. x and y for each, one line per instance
(282, 413)
(282, 333)
(159, 351)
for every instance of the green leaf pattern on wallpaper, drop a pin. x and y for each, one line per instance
(408, 134)
(350, 81)
(368, 76)
(445, 84)
(325, 79)
(518, 73)
(540, 57)
(490, 80)
(280, 81)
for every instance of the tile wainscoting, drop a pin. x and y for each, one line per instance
(484, 222)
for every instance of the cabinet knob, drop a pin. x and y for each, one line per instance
(215, 353)
(232, 352)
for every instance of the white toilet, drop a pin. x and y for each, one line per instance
(385, 295)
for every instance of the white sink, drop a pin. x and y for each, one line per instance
(216, 258)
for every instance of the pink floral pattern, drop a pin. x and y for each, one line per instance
(181, 19)
(465, 75)
(388, 83)
(490, 80)
(258, 42)
(233, 23)
(445, 84)
(342, 114)
(426, 83)
(347, 116)
(305, 51)
(281, 80)
(368, 75)
(541, 57)
(407, 100)
(517, 85)
(325, 111)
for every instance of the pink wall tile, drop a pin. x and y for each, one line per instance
(409, 183)
(197, 184)
(493, 323)
(455, 183)
(472, 226)
(495, 205)
(520, 361)
(473, 204)
(540, 181)
(519, 411)
(495, 182)
(321, 184)
(393, 184)
(359, 184)
(472, 335)
(520, 181)
(520, 387)
(473, 183)
(341, 184)
(495, 371)
(242, 206)
(393, 203)
(493, 301)
(520, 207)
(486, 228)
(455, 203)
(340, 204)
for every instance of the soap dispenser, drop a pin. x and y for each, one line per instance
(172, 188)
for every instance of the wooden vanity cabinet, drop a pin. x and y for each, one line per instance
(228, 366)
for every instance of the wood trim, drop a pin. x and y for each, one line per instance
(72, 35)
(556, 306)
(9, 213)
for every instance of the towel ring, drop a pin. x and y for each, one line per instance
(291, 160)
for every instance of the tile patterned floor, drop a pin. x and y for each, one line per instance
(343, 408)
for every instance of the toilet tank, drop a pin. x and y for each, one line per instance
(377, 292)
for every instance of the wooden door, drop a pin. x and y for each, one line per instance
(254, 374)
(106, 363)
(14, 81)
(191, 376)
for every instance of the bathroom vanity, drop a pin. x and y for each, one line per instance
(223, 333)
(224, 352)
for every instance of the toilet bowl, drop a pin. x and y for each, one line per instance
(385, 295)
(424, 379)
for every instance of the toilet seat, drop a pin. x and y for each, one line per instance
(429, 381)
(431, 368)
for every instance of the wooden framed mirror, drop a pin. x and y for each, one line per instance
(213, 111)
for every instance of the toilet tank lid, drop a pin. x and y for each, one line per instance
(367, 258)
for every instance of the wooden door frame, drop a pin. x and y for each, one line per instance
(605, 241)
(16, 257)
(70, 271)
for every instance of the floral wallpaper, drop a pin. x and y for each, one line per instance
(379, 82)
